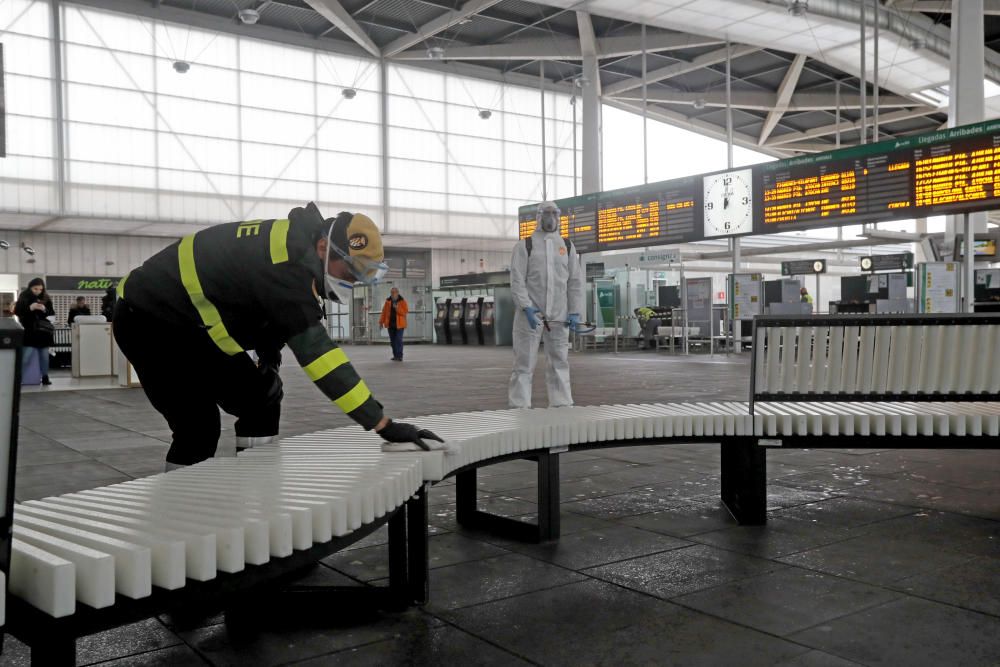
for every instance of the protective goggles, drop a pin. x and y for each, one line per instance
(364, 269)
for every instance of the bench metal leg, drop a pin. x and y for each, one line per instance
(744, 481)
(57, 650)
(469, 516)
(398, 570)
(417, 547)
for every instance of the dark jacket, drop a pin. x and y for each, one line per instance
(254, 286)
(74, 312)
(36, 334)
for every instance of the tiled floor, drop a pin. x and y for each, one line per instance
(870, 557)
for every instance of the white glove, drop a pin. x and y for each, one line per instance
(433, 445)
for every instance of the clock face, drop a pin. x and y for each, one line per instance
(818, 266)
(729, 203)
(866, 263)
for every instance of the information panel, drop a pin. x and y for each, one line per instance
(652, 214)
(938, 287)
(951, 171)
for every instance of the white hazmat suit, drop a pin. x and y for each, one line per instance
(551, 280)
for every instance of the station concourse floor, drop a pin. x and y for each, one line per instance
(870, 557)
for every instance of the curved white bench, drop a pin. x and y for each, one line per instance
(131, 549)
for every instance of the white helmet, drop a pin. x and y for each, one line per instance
(548, 216)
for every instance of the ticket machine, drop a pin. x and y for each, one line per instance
(473, 323)
(487, 321)
(456, 321)
(442, 308)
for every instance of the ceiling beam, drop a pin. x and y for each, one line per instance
(846, 126)
(765, 101)
(990, 7)
(434, 26)
(565, 48)
(588, 41)
(335, 13)
(784, 95)
(670, 71)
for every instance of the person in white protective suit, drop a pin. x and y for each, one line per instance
(547, 283)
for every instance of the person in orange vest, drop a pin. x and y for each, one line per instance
(394, 319)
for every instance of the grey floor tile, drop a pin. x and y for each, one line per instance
(481, 581)
(612, 626)
(817, 659)
(437, 646)
(597, 547)
(910, 631)
(371, 563)
(630, 503)
(681, 571)
(294, 639)
(897, 558)
(33, 455)
(844, 512)
(685, 520)
(972, 585)
(784, 602)
(175, 656)
(127, 640)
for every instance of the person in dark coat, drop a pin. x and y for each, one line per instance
(108, 303)
(33, 309)
(81, 308)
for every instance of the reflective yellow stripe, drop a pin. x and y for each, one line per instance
(121, 286)
(279, 241)
(354, 398)
(208, 312)
(319, 368)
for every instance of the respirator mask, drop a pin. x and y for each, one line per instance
(548, 217)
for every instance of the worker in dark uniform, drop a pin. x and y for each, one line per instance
(186, 318)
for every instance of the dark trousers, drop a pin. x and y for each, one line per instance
(187, 379)
(396, 341)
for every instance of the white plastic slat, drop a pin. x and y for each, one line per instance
(899, 342)
(167, 554)
(95, 580)
(773, 360)
(759, 363)
(228, 539)
(930, 361)
(199, 549)
(803, 368)
(916, 356)
(789, 341)
(880, 368)
(133, 562)
(42, 579)
(866, 359)
(849, 374)
(949, 363)
(821, 359)
(991, 360)
(969, 356)
(834, 376)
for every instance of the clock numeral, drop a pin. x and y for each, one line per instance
(728, 225)
(746, 200)
(727, 180)
(709, 206)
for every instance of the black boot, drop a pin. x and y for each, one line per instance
(46, 380)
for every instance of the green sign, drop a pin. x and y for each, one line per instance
(79, 283)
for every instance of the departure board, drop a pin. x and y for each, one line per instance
(945, 172)
(653, 214)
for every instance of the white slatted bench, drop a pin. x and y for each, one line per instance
(200, 537)
(824, 381)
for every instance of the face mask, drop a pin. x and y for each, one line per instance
(339, 289)
(549, 221)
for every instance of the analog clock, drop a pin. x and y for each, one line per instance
(729, 203)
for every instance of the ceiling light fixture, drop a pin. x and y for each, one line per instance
(435, 53)
(797, 7)
(181, 66)
(349, 93)
(249, 16)
(28, 249)
(485, 114)
(699, 103)
(918, 44)
(4, 245)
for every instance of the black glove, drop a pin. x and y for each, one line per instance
(402, 432)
